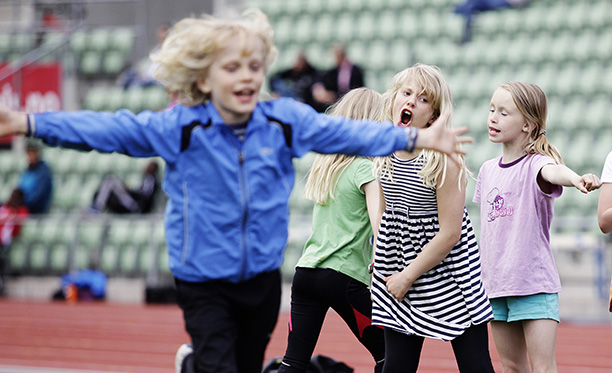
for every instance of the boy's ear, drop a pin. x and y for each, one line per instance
(203, 86)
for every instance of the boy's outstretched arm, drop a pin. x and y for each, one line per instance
(12, 123)
(439, 137)
(563, 175)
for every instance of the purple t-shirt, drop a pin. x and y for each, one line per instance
(515, 223)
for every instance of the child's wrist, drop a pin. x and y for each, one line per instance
(412, 136)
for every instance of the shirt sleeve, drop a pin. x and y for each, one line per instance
(606, 173)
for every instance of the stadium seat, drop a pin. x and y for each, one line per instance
(90, 63)
(99, 39)
(122, 40)
(323, 30)
(114, 62)
(79, 41)
(22, 42)
(95, 99)
(5, 43)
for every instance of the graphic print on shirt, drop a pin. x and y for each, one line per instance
(497, 205)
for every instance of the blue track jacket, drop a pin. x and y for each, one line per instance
(228, 209)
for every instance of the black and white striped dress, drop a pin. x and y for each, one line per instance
(447, 299)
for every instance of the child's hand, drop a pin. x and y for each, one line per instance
(446, 140)
(398, 285)
(588, 183)
(12, 123)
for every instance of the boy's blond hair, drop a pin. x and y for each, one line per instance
(432, 84)
(359, 103)
(532, 103)
(193, 43)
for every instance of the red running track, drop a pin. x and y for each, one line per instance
(143, 338)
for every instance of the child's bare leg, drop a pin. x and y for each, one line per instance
(510, 343)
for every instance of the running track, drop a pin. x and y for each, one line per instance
(107, 337)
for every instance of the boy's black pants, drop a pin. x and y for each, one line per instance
(230, 324)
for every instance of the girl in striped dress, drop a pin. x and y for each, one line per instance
(426, 279)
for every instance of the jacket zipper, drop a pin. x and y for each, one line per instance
(244, 197)
(244, 194)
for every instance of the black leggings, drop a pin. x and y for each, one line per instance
(313, 292)
(471, 351)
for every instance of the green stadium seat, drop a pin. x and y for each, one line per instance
(59, 258)
(156, 98)
(345, 29)
(38, 258)
(95, 99)
(22, 42)
(323, 30)
(5, 43)
(122, 39)
(367, 26)
(135, 99)
(387, 23)
(114, 62)
(116, 98)
(302, 28)
(283, 29)
(100, 39)
(79, 41)
(90, 63)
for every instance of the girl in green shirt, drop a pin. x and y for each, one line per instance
(333, 269)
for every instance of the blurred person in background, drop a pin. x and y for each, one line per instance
(115, 196)
(337, 81)
(296, 82)
(36, 181)
(12, 215)
(470, 8)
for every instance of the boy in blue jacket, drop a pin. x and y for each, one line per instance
(228, 176)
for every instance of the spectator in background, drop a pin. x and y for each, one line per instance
(48, 21)
(337, 81)
(296, 81)
(142, 74)
(469, 9)
(114, 196)
(12, 214)
(36, 182)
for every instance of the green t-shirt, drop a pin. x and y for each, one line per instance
(341, 229)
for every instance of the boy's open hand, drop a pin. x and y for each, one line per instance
(12, 123)
(445, 140)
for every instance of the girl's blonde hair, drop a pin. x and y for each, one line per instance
(531, 102)
(359, 103)
(432, 84)
(193, 43)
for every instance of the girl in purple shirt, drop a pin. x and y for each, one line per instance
(516, 193)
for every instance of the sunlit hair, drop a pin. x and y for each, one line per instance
(192, 45)
(531, 102)
(359, 103)
(433, 85)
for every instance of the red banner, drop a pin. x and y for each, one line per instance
(34, 89)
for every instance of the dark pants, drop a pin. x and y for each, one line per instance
(313, 292)
(230, 324)
(471, 351)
